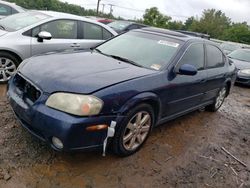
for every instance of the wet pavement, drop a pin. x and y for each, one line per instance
(186, 152)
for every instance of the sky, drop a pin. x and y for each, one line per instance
(237, 10)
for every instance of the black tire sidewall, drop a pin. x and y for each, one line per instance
(118, 147)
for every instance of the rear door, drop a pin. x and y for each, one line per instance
(64, 36)
(92, 34)
(216, 71)
(185, 92)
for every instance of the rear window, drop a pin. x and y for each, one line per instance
(5, 10)
(19, 21)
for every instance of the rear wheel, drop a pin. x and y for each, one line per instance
(218, 101)
(8, 66)
(134, 130)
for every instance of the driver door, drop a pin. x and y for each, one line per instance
(186, 92)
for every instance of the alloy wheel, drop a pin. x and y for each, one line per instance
(137, 130)
(7, 69)
(220, 98)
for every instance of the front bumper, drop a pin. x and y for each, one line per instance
(45, 123)
(243, 80)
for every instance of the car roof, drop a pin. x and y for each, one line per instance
(71, 16)
(166, 32)
(13, 5)
(62, 14)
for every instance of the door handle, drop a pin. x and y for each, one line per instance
(75, 45)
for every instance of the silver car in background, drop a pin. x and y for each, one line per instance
(36, 32)
(7, 9)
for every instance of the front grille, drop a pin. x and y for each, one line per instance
(27, 89)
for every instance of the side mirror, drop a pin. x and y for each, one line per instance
(44, 35)
(188, 69)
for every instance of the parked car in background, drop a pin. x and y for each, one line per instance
(7, 9)
(125, 86)
(35, 32)
(228, 47)
(241, 59)
(101, 20)
(125, 26)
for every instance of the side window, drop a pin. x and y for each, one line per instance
(193, 56)
(35, 31)
(5, 10)
(106, 34)
(134, 26)
(92, 31)
(13, 11)
(59, 29)
(215, 57)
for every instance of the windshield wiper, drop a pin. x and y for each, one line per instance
(2, 27)
(125, 60)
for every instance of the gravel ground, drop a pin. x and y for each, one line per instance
(186, 152)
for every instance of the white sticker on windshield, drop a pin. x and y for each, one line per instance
(156, 66)
(167, 43)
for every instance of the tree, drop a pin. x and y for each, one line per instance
(175, 25)
(188, 23)
(212, 22)
(238, 32)
(153, 17)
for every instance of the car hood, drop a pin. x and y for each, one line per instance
(84, 72)
(2, 32)
(241, 64)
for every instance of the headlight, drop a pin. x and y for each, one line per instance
(245, 71)
(81, 105)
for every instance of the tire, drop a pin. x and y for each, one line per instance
(218, 100)
(8, 66)
(130, 135)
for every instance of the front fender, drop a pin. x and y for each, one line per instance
(146, 97)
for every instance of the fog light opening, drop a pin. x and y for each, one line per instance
(57, 143)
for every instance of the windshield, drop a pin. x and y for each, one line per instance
(243, 55)
(146, 50)
(229, 47)
(21, 20)
(119, 25)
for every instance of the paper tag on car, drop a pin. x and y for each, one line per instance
(168, 43)
(156, 66)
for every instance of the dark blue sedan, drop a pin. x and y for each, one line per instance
(114, 94)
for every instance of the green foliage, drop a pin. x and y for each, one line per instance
(153, 17)
(212, 22)
(238, 32)
(175, 25)
(56, 5)
(188, 23)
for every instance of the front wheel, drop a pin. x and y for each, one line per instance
(218, 100)
(8, 66)
(134, 130)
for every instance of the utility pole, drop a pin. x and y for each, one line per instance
(111, 9)
(103, 5)
(97, 9)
